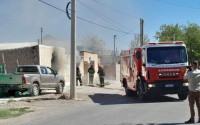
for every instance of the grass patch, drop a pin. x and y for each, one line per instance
(105, 83)
(13, 112)
(11, 100)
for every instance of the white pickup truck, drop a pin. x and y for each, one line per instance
(32, 78)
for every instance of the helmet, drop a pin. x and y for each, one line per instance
(99, 66)
(77, 67)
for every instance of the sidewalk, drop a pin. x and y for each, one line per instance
(82, 92)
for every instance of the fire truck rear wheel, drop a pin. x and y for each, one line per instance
(128, 92)
(182, 96)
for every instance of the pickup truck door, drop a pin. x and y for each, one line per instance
(53, 79)
(44, 77)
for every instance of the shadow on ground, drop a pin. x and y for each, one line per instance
(111, 99)
(147, 124)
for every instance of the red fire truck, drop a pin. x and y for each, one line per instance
(155, 69)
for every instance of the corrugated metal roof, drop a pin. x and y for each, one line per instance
(5, 46)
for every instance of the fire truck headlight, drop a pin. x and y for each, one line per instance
(185, 84)
(151, 85)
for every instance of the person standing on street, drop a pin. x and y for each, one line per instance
(101, 73)
(78, 76)
(194, 90)
(91, 74)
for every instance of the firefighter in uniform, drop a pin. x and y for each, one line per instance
(91, 74)
(101, 76)
(78, 76)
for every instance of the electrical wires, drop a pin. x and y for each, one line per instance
(85, 19)
(178, 5)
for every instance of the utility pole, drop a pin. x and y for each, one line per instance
(114, 43)
(41, 35)
(174, 36)
(141, 31)
(73, 50)
(114, 48)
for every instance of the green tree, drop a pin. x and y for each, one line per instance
(169, 32)
(192, 41)
(189, 33)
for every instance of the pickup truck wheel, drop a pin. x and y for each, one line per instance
(182, 96)
(11, 93)
(35, 90)
(59, 89)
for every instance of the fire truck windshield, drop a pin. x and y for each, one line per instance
(166, 55)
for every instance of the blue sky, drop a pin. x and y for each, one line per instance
(21, 20)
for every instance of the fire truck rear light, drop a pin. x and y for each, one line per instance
(151, 85)
(185, 84)
(23, 80)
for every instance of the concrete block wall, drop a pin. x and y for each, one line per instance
(37, 55)
(25, 56)
(112, 71)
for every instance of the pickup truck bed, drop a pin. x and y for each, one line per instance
(32, 78)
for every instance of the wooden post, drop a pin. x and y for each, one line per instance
(4, 63)
(17, 63)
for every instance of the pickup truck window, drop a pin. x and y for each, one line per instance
(43, 70)
(27, 69)
(50, 71)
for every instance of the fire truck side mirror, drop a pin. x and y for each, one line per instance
(138, 55)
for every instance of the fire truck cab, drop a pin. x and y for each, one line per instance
(155, 69)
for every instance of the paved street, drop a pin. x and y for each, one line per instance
(114, 108)
(121, 110)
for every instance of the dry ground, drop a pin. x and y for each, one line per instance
(47, 104)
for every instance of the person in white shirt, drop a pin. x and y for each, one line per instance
(194, 90)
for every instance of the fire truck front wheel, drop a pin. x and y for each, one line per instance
(182, 96)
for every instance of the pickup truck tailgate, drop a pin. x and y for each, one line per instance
(10, 79)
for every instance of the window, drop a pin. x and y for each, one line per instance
(143, 56)
(43, 70)
(27, 69)
(166, 55)
(50, 71)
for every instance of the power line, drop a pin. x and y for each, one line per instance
(52, 6)
(103, 26)
(97, 13)
(178, 5)
(129, 32)
(116, 10)
(85, 19)
(146, 28)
